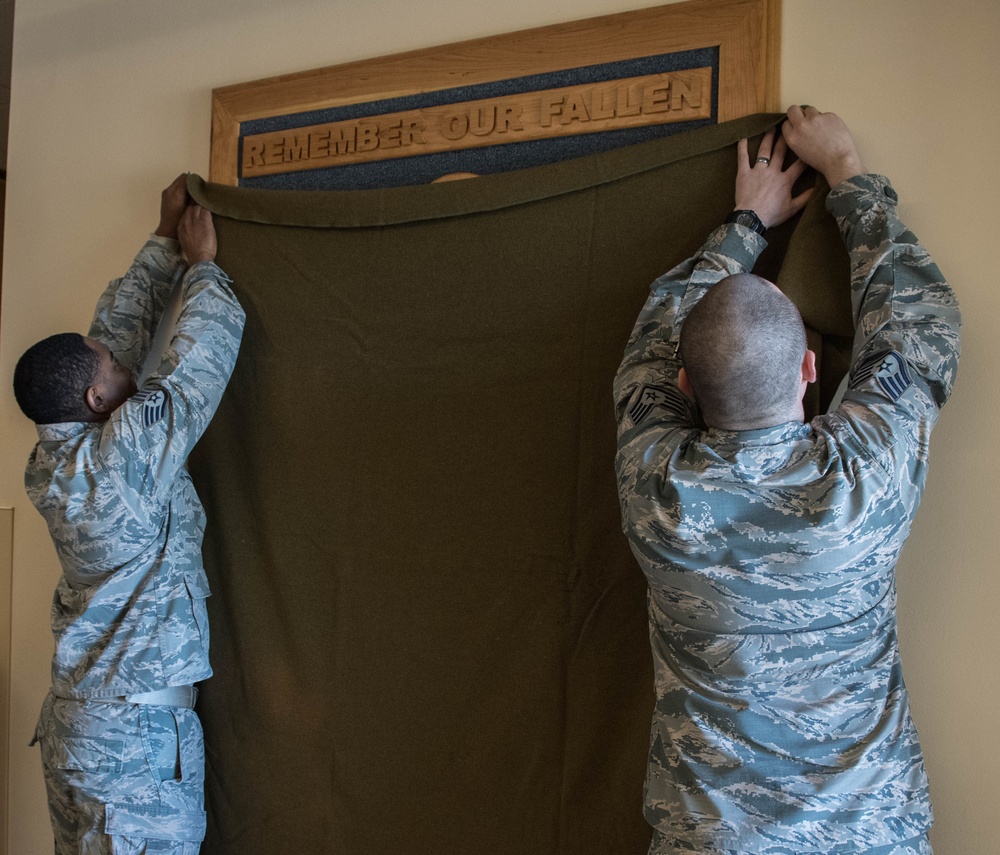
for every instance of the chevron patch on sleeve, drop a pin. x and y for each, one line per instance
(665, 399)
(154, 405)
(890, 372)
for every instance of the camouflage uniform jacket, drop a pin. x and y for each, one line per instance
(781, 721)
(129, 610)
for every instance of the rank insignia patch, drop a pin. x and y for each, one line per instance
(154, 405)
(890, 371)
(663, 397)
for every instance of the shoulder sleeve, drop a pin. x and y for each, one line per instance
(906, 347)
(131, 307)
(152, 434)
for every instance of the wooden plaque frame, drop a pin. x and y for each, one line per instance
(745, 32)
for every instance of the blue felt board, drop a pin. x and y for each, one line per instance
(420, 169)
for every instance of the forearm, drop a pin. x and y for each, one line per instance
(205, 339)
(900, 299)
(148, 439)
(130, 308)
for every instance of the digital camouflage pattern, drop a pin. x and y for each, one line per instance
(129, 612)
(782, 724)
(124, 779)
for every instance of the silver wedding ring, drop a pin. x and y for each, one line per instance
(764, 160)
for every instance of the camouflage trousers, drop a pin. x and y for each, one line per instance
(123, 779)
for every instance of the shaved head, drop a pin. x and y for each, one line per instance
(742, 347)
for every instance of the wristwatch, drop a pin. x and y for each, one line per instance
(748, 219)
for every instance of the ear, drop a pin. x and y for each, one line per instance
(95, 400)
(684, 384)
(809, 367)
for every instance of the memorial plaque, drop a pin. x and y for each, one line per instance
(503, 102)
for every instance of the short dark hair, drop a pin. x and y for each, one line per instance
(742, 346)
(52, 376)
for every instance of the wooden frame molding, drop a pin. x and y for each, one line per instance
(6, 599)
(745, 32)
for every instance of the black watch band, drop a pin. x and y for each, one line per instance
(747, 218)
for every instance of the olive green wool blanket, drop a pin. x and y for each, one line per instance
(428, 632)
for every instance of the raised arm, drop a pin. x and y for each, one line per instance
(647, 377)
(148, 439)
(130, 308)
(906, 344)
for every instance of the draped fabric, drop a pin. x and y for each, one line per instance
(428, 632)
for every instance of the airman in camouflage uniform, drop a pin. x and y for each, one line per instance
(122, 747)
(782, 724)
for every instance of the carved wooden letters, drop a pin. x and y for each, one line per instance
(653, 99)
(700, 61)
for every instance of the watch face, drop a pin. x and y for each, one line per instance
(750, 220)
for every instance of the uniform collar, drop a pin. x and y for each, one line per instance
(61, 431)
(774, 435)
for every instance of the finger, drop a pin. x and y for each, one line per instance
(203, 220)
(742, 158)
(766, 144)
(809, 112)
(799, 202)
(779, 150)
(190, 215)
(794, 114)
(796, 169)
(176, 187)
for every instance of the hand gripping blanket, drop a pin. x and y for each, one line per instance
(429, 634)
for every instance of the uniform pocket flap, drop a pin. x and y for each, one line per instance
(197, 585)
(154, 824)
(85, 753)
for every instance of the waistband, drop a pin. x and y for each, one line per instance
(175, 696)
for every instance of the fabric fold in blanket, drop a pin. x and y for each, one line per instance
(428, 632)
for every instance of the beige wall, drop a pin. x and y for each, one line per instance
(110, 99)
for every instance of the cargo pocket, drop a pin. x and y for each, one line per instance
(199, 592)
(83, 754)
(161, 742)
(134, 829)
